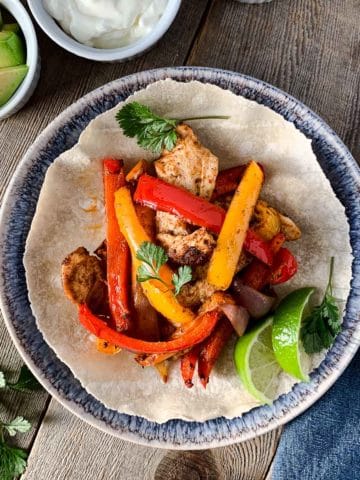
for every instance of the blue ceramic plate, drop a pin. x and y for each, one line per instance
(17, 213)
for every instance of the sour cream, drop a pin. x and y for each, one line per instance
(106, 23)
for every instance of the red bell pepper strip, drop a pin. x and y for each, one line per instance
(201, 328)
(118, 253)
(256, 275)
(285, 266)
(277, 242)
(188, 364)
(212, 348)
(160, 195)
(255, 245)
(227, 181)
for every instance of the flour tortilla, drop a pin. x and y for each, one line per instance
(70, 213)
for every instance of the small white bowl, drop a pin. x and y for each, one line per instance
(54, 31)
(27, 87)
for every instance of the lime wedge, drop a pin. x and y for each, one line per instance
(256, 363)
(286, 331)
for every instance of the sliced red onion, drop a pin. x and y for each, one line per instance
(257, 304)
(237, 315)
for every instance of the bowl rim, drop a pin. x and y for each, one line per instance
(57, 34)
(265, 418)
(18, 11)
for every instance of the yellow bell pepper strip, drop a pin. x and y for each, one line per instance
(159, 295)
(200, 329)
(233, 231)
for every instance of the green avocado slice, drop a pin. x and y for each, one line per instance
(12, 50)
(10, 80)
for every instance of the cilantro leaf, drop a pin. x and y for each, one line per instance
(320, 328)
(19, 424)
(151, 131)
(26, 381)
(183, 276)
(152, 255)
(153, 258)
(2, 380)
(144, 273)
(12, 461)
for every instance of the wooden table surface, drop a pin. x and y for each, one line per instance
(309, 48)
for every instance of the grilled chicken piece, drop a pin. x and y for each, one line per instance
(84, 279)
(289, 228)
(192, 249)
(193, 295)
(215, 300)
(189, 164)
(169, 223)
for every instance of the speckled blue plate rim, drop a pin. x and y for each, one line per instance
(15, 219)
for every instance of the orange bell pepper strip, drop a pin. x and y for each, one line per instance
(139, 169)
(160, 296)
(233, 232)
(188, 364)
(118, 254)
(212, 348)
(201, 328)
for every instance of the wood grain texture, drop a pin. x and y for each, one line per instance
(309, 48)
(30, 405)
(67, 448)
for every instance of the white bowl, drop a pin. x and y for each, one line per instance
(54, 31)
(27, 87)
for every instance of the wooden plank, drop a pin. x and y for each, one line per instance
(309, 48)
(66, 447)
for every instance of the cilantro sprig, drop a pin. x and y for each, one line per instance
(13, 459)
(323, 324)
(26, 381)
(152, 131)
(153, 257)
